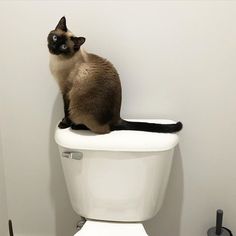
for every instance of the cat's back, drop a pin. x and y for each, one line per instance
(100, 66)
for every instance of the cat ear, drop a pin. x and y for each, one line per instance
(78, 41)
(62, 24)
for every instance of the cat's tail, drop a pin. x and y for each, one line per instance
(145, 126)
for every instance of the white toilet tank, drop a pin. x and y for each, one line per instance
(120, 176)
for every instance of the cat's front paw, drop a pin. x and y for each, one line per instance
(65, 123)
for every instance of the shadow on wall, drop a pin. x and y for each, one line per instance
(65, 217)
(167, 221)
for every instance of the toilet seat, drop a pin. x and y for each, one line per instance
(103, 228)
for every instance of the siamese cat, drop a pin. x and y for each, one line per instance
(91, 87)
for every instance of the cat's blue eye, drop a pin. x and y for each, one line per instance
(63, 46)
(54, 38)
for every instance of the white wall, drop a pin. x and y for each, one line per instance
(176, 60)
(3, 198)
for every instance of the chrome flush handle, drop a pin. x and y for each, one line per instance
(73, 155)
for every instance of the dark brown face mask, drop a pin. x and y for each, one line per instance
(57, 44)
(60, 42)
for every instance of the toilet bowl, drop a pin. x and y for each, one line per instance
(101, 228)
(116, 180)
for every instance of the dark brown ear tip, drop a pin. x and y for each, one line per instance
(62, 24)
(63, 18)
(82, 40)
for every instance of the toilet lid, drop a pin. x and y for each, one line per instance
(102, 228)
(122, 140)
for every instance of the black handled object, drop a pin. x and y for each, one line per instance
(10, 228)
(218, 230)
(219, 219)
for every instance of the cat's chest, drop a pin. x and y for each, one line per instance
(60, 69)
(70, 70)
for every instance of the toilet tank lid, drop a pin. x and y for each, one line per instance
(122, 140)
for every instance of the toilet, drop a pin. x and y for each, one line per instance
(116, 180)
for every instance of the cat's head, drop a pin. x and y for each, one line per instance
(62, 42)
